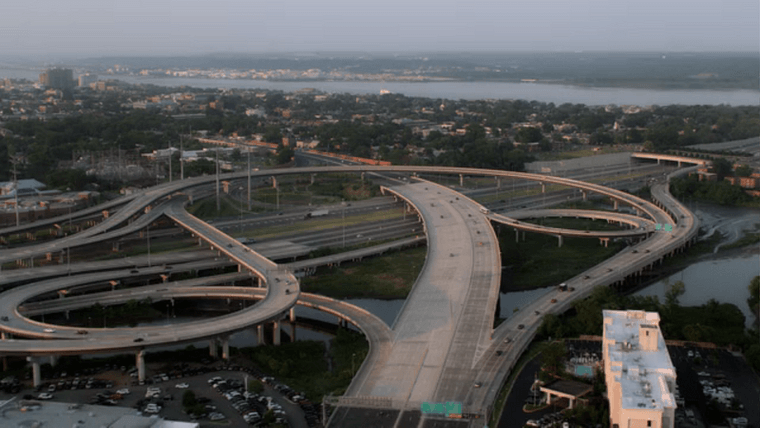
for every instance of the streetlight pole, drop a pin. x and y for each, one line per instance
(241, 208)
(343, 221)
(148, 238)
(248, 151)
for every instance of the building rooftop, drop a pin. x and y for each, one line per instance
(639, 359)
(34, 413)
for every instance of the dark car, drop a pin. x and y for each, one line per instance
(139, 339)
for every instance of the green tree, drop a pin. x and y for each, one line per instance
(722, 167)
(754, 296)
(529, 135)
(674, 291)
(284, 154)
(743, 171)
(188, 399)
(553, 358)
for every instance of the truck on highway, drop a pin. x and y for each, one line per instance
(316, 213)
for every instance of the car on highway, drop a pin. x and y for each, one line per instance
(45, 396)
(520, 327)
(49, 330)
(123, 391)
(554, 300)
(182, 385)
(82, 332)
(139, 339)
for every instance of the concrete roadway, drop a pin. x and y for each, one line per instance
(446, 321)
(642, 227)
(512, 340)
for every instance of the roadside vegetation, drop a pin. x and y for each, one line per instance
(534, 261)
(389, 276)
(719, 323)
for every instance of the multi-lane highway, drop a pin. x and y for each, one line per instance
(442, 346)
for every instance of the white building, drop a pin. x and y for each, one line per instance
(640, 378)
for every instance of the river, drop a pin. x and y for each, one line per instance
(558, 94)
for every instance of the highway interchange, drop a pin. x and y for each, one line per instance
(468, 341)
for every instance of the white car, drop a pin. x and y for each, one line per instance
(182, 385)
(123, 391)
(45, 396)
(152, 408)
(49, 330)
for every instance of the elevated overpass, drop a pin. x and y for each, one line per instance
(418, 339)
(670, 158)
(641, 227)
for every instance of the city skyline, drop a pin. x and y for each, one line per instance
(90, 28)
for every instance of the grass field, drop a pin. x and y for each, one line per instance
(539, 262)
(388, 276)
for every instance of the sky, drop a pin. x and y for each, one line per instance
(87, 28)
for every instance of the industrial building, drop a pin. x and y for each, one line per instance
(640, 377)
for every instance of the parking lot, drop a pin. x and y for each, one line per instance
(224, 401)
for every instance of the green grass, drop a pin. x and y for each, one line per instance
(206, 209)
(538, 261)
(303, 365)
(388, 276)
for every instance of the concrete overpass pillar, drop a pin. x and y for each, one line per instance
(274, 182)
(276, 332)
(3, 336)
(53, 360)
(225, 348)
(260, 331)
(461, 180)
(312, 178)
(36, 374)
(543, 187)
(604, 241)
(292, 315)
(140, 363)
(498, 182)
(363, 176)
(679, 164)
(615, 204)
(212, 351)
(559, 237)
(585, 195)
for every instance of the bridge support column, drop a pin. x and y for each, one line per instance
(116, 247)
(53, 360)
(260, 332)
(585, 195)
(543, 187)
(292, 315)
(604, 241)
(312, 178)
(274, 182)
(615, 205)
(362, 177)
(36, 375)
(212, 351)
(461, 180)
(225, 348)
(559, 244)
(276, 332)
(140, 363)
(498, 182)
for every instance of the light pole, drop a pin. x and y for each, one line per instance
(343, 221)
(352, 363)
(248, 151)
(147, 234)
(241, 208)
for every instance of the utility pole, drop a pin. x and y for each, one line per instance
(170, 162)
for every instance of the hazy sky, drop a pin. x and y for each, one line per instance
(105, 27)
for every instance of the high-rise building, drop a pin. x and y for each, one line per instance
(57, 78)
(640, 377)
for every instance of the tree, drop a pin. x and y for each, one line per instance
(284, 154)
(743, 171)
(553, 358)
(674, 291)
(722, 167)
(529, 135)
(754, 296)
